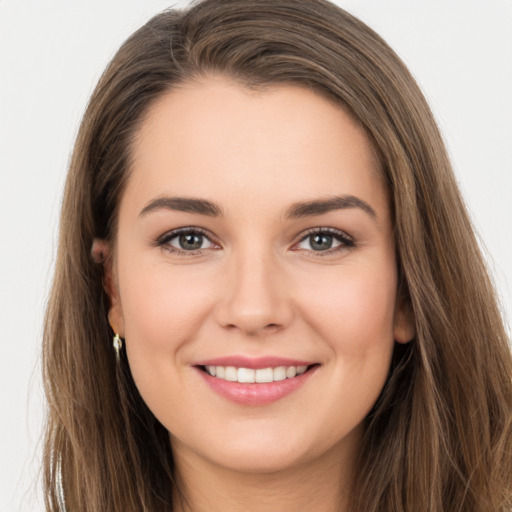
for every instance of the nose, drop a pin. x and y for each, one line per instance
(255, 298)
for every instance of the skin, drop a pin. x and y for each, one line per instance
(256, 288)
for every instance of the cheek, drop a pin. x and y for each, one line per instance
(355, 318)
(354, 308)
(162, 305)
(162, 309)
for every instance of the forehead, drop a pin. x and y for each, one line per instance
(218, 139)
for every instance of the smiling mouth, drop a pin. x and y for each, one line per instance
(260, 375)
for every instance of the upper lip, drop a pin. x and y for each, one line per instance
(254, 363)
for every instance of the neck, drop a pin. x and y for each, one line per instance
(321, 484)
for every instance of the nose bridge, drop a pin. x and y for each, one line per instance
(255, 298)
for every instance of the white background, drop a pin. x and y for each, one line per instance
(51, 54)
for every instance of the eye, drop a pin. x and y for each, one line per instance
(186, 240)
(325, 240)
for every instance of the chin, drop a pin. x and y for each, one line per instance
(264, 451)
(258, 460)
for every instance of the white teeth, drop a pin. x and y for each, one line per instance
(231, 374)
(245, 375)
(262, 375)
(280, 373)
(291, 371)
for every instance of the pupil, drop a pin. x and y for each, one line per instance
(321, 242)
(191, 242)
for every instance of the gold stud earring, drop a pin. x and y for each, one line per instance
(118, 345)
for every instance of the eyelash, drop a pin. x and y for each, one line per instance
(346, 242)
(164, 240)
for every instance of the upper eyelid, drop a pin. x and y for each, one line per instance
(189, 229)
(331, 231)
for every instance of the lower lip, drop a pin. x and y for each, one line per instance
(257, 393)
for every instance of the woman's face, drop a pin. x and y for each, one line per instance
(255, 243)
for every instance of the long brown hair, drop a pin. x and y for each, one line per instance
(440, 436)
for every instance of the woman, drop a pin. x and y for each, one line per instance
(268, 294)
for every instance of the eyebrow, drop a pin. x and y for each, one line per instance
(321, 206)
(183, 204)
(296, 210)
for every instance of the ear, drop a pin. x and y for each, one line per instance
(404, 324)
(100, 252)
